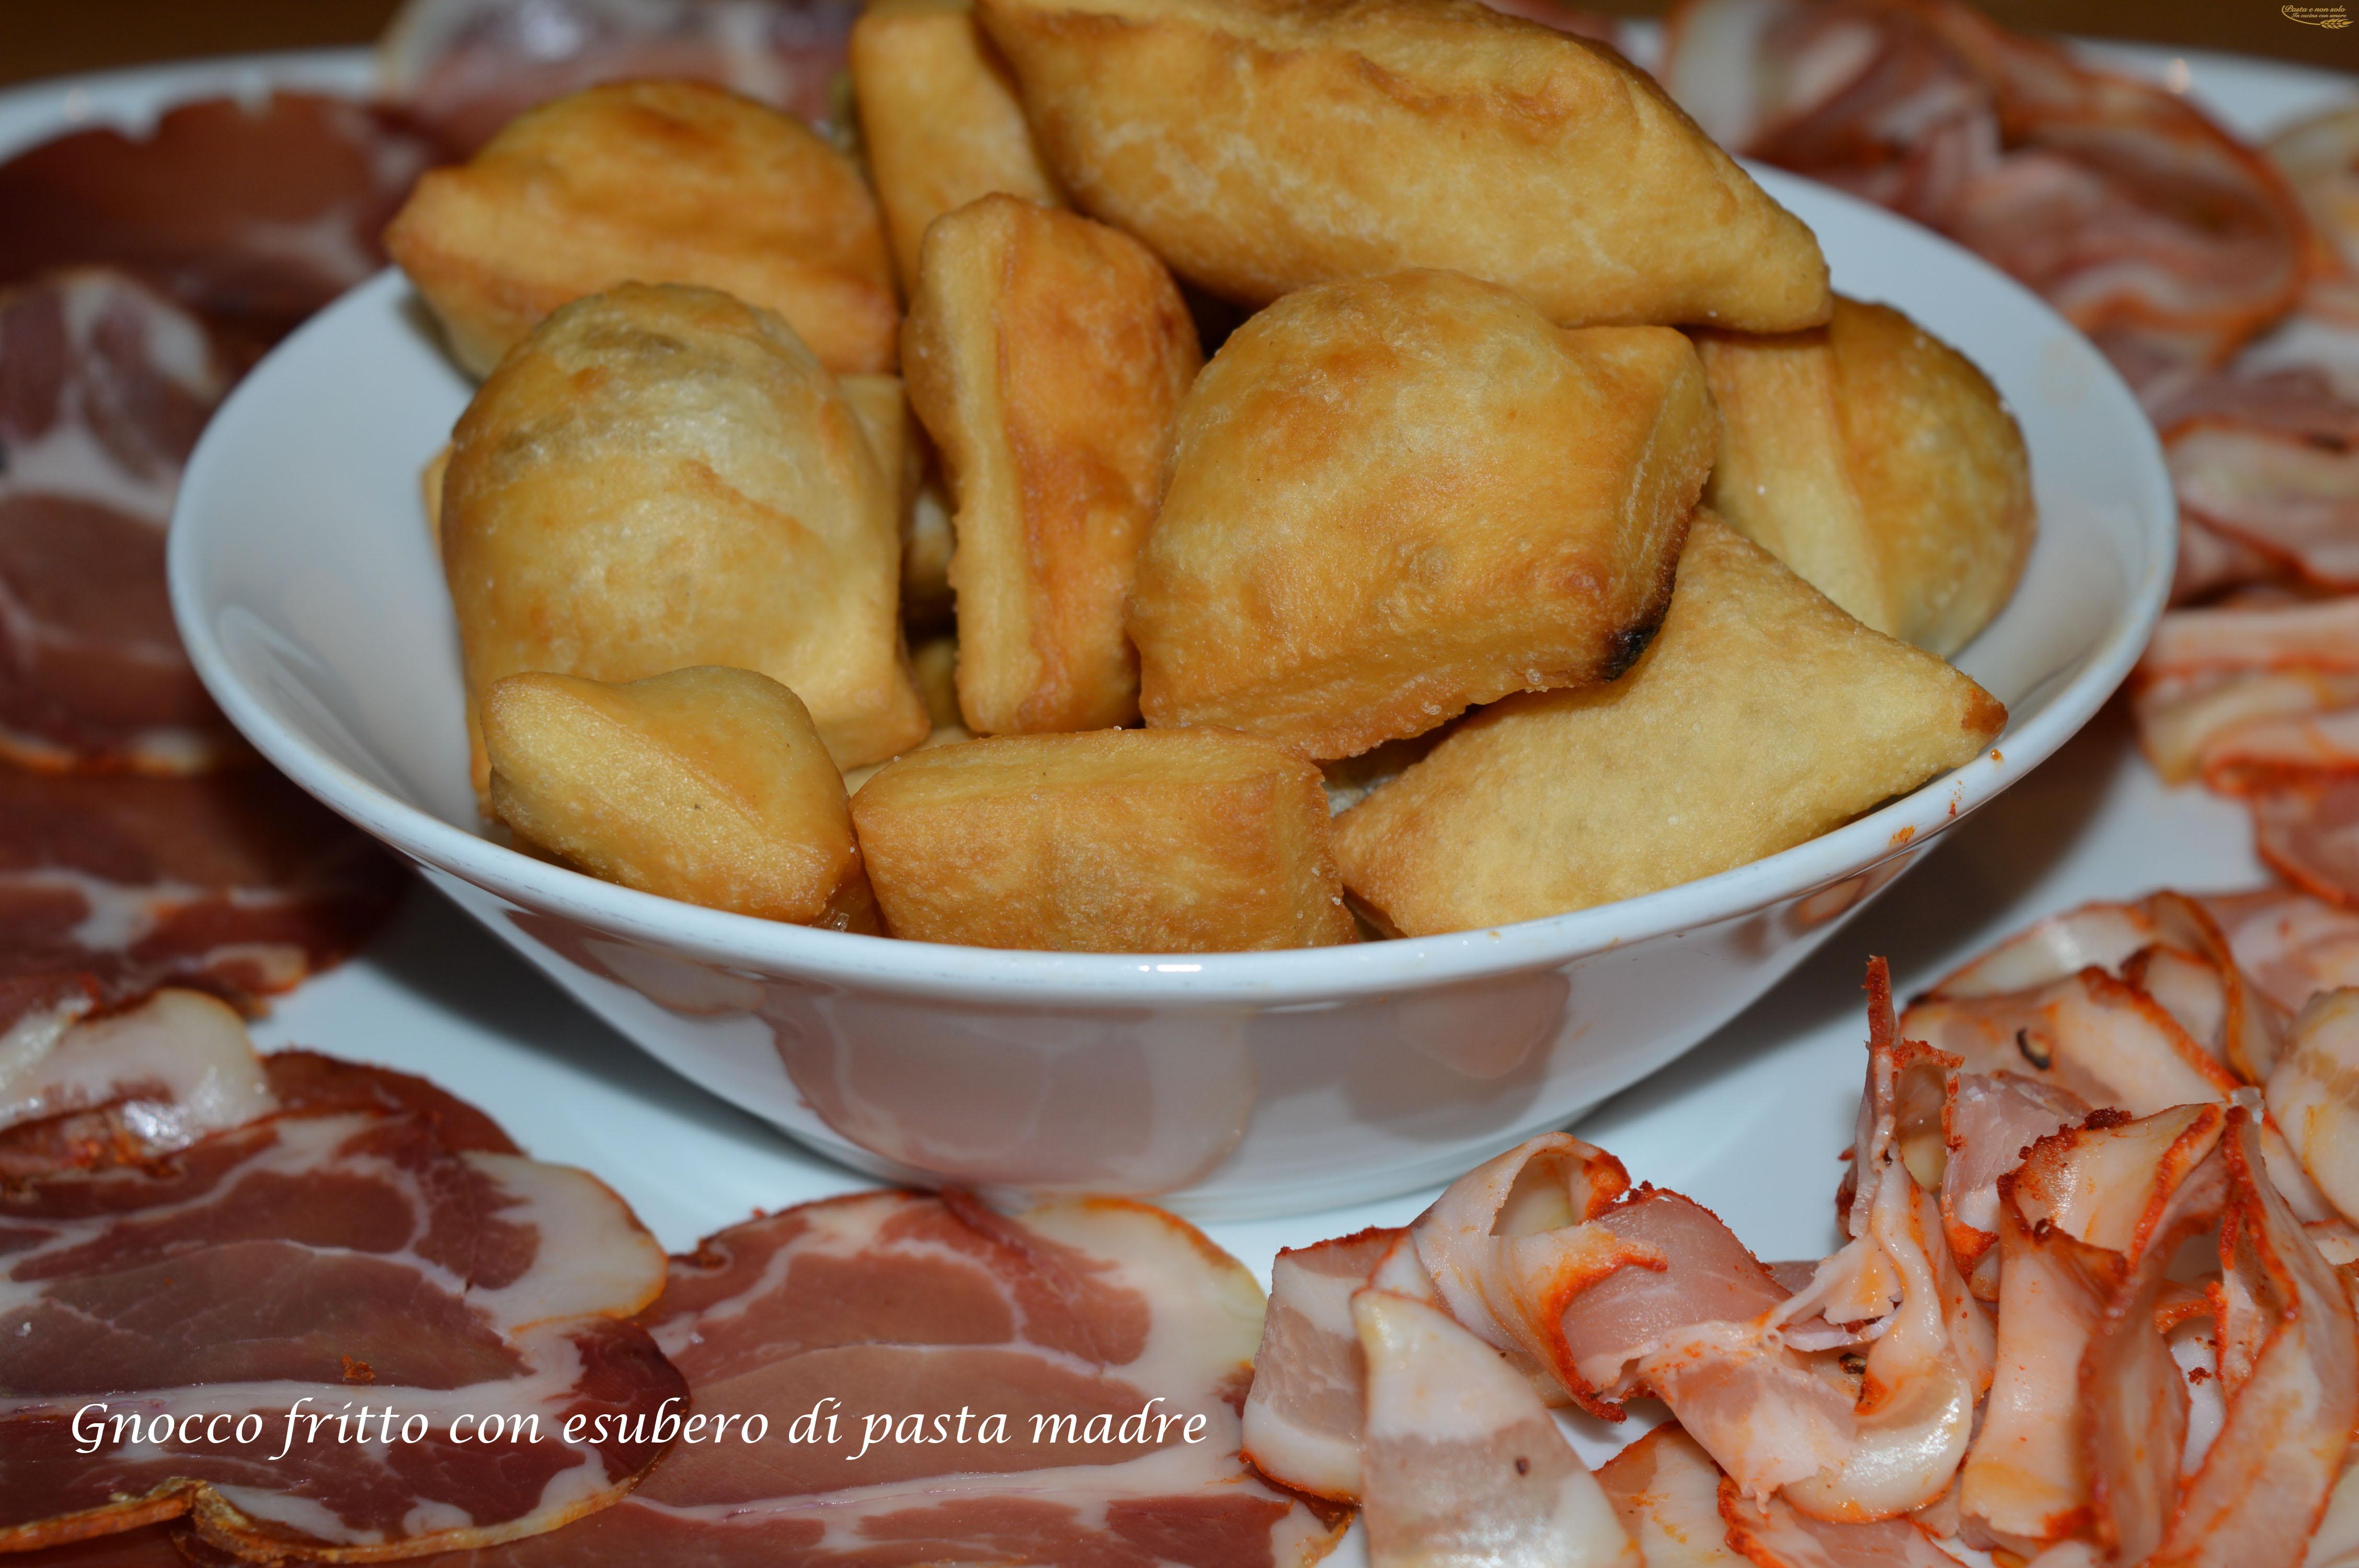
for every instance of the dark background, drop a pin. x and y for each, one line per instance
(45, 37)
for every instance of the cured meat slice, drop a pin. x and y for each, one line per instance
(2308, 833)
(1303, 1416)
(1774, 1534)
(466, 68)
(893, 1313)
(2134, 213)
(2296, 634)
(253, 214)
(1462, 1462)
(1989, 1122)
(2181, 720)
(2289, 496)
(130, 1086)
(2210, 562)
(2296, 402)
(2090, 1034)
(2320, 157)
(1667, 1490)
(303, 1266)
(306, 1080)
(2293, 945)
(106, 386)
(111, 885)
(2314, 1096)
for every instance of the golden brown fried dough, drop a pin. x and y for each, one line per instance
(1109, 841)
(938, 118)
(653, 182)
(882, 403)
(1762, 716)
(705, 785)
(1394, 498)
(1263, 145)
(662, 477)
(1046, 355)
(1880, 464)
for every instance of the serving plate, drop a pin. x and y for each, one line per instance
(308, 594)
(1747, 1122)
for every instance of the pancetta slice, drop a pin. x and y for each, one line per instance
(1667, 1490)
(308, 1265)
(2320, 157)
(1512, 1242)
(111, 885)
(253, 212)
(466, 68)
(1772, 1533)
(1303, 1416)
(2285, 495)
(2211, 562)
(1990, 1122)
(2181, 720)
(2308, 833)
(2293, 945)
(130, 1086)
(891, 1312)
(2289, 1362)
(2296, 633)
(108, 384)
(2090, 1034)
(1462, 1463)
(2314, 1096)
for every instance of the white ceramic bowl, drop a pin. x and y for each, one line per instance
(1240, 1084)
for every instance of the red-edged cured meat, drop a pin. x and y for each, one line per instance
(1302, 1417)
(886, 1311)
(466, 68)
(2310, 834)
(2293, 945)
(312, 1264)
(111, 885)
(104, 386)
(2287, 495)
(2136, 216)
(252, 213)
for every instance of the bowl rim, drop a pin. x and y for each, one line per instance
(1312, 975)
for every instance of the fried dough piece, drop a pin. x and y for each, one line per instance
(939, 119)
(1877, 461)
(882, 403)
(1760, 717)
(1107, 842)
(705, 785)
(1264, 146)
(661, 477)
(651, 182)
(1046, 355)
(1394, 498)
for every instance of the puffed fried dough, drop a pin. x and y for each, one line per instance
(939, 119)
(661, 477)
(1263, 145)
(705, 785)
(1046, 355)
(1110, 840)
(1880, 464)
(652, 182)
(1394, 498)
(1760, 717)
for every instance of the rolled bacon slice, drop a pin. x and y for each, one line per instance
(1667, 1490)
(896, 1308)
(1462, 1462)
(2181, 721)
(1303, 1415)
(2321, 634)
(2292, 945)
(1774, 1534)
(2283, 494)
(2320, 156)
(2090, 1034)
(308, 1264)
(2314, 1096)
(2309, 834)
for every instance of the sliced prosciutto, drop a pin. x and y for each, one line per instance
(466, 68)
(107, 384)
(306, 1265)
(1120, 1327)
(2135, 215)
(251, 213)
(235, 882)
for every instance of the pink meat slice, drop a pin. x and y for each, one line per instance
(466, 68)
(900, 1305)
(2287, 494)
(2308, 833)
(335, 1260)
(111, 885)
(2293, 945)
(252, 213)
(1303, 1416)
(104, 386)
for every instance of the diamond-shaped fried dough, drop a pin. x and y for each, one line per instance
(705, 785)
(1880, 464)
(1263, 145)
(1760, 717)
(651, 182)
(938, 118)
(1110, 840)
(1394, 498)
(1046, 355)
(663, 476)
